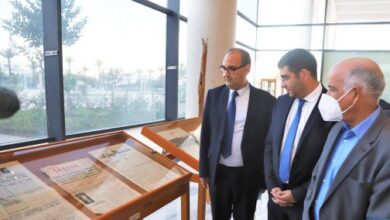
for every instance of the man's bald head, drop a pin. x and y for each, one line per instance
(361, 72)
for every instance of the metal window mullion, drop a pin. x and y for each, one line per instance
(52, 46)
(171, 68)
(324, 32)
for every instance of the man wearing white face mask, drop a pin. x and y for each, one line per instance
(352, 177)
(330, 109)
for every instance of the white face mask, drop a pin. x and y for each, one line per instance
(330, 109)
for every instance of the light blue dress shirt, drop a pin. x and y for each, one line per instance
(344, 145)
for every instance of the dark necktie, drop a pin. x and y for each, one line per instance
(229, 126)
(284, 165)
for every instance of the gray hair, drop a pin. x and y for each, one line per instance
(371, 81)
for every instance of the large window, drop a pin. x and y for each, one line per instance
(274, 12)
(381, 57)
(248, 8)
(160, 2)
(114, 72)
(245, 32)
(350, 28)
(22, 69)
(184, 8)
(358, 37)
(282, 38)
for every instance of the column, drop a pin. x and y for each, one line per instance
(215, 21)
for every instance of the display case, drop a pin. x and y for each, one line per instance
(106, 176)
(181, 139)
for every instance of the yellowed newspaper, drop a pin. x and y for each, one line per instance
(186, 141)
(89, 183)
(134, 165)
(24, 196)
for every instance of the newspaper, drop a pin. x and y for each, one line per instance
(186, 141)
(90, 184)
(24, 196)
(136, 166)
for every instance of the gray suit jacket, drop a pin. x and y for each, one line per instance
(387, 112)
(361, 188)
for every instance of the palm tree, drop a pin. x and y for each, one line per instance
(9, 53)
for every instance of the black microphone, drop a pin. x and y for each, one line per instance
(9, 103)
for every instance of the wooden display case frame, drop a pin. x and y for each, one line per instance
(189, 125)
(36, 157)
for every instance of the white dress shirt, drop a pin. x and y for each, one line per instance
(307, 108)
(242, 101)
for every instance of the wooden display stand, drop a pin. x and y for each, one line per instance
(36, 158)
(154, 133)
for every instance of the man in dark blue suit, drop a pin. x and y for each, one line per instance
(296, 137)
(234, 127)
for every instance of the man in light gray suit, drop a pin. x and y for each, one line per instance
(351, 180)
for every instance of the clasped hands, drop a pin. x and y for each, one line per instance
(282, 198)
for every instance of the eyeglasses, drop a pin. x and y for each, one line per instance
(230, 69)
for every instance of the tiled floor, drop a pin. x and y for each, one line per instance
(172, 210)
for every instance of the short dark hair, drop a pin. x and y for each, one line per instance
(9, 102)
(299, 59)
(245, 57)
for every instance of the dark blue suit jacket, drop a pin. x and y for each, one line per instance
(308, 151)
(254, 135)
